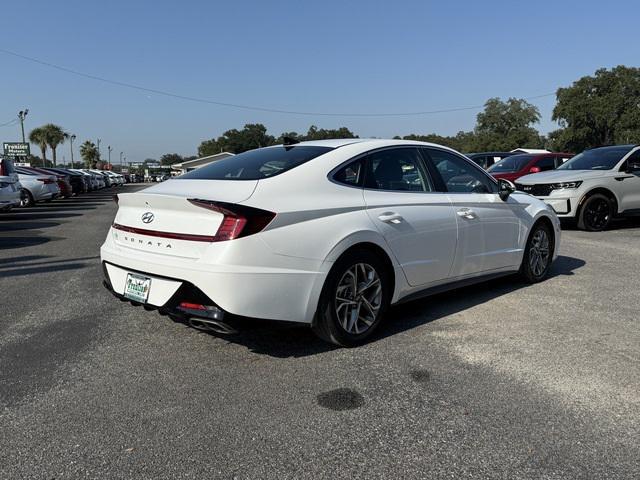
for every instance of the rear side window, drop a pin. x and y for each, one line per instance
(257, 164)
(351, 175)
(397, 169)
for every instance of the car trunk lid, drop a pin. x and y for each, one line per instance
(163, 220)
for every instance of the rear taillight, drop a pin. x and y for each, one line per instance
(46, 181)
(239, 220)
(3, 170)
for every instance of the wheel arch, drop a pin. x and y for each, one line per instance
(602, 190)
(545, 219)
(367, 240)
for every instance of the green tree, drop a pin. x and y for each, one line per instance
(253, 135)
(500, 126)
(602, 109)
(507, 125)
(315, 133)
(39, 137)
(170, 159)
(89, 153)
(55, 135)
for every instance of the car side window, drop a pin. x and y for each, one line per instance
(397, 169)
(546, 163)
(482, 161)
(634, 159)
(351, 174)
(458, 174)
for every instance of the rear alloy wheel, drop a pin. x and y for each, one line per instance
(353, 301)
(596, 213)
(538, 254)
(26, 199)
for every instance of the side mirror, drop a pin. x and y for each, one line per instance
(505, 188)
(534, 170)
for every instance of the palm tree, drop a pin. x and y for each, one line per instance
(39, 137)
(55, 135)
(89, 153)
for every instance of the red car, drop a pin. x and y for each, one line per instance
(513, 167)
(64, 183)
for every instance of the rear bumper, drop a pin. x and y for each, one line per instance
(186, 292)
(258, 291)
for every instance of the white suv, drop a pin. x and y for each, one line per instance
(592, 187)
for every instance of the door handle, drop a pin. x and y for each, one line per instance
(390, 217)
(466, 213)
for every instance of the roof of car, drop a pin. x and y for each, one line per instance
(490, 153)
(341, 142)
(629, 146)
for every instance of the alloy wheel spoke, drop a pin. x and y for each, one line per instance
(358, 297)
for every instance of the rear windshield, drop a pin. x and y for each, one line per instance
(256, 164)
(513, 163)
(604, 158)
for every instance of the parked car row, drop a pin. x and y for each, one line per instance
(591, 188)
(26, 186)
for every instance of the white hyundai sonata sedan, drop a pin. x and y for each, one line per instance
(327, 233)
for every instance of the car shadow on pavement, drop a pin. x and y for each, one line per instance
(28, 261)
(12, 227)
(26, 270)
(25, 258)
(285, 340)
(8, 243)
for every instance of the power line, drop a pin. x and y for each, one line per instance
(10, 122)
(248, 107)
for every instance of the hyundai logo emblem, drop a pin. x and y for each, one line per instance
(147, 217)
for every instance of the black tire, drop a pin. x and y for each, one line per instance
(26, 199)
(596, 213)
(530, 270)
(327, 325)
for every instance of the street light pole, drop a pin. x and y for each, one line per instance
(98, 142)
(21, 115)
(109, 150)
(71, 139)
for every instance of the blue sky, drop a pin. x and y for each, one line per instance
(330, 56)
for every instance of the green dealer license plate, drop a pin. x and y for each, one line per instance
(137, 287)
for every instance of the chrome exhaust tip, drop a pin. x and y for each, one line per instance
(215, 326)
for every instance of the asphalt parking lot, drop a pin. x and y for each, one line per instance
(500, 380)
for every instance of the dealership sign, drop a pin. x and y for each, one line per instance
(16, 149)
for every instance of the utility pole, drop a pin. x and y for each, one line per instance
(121, 153)
(21, 115)
(109, 150)
(71, 139)
(99, 149)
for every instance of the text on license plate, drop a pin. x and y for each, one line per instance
(137, 287)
